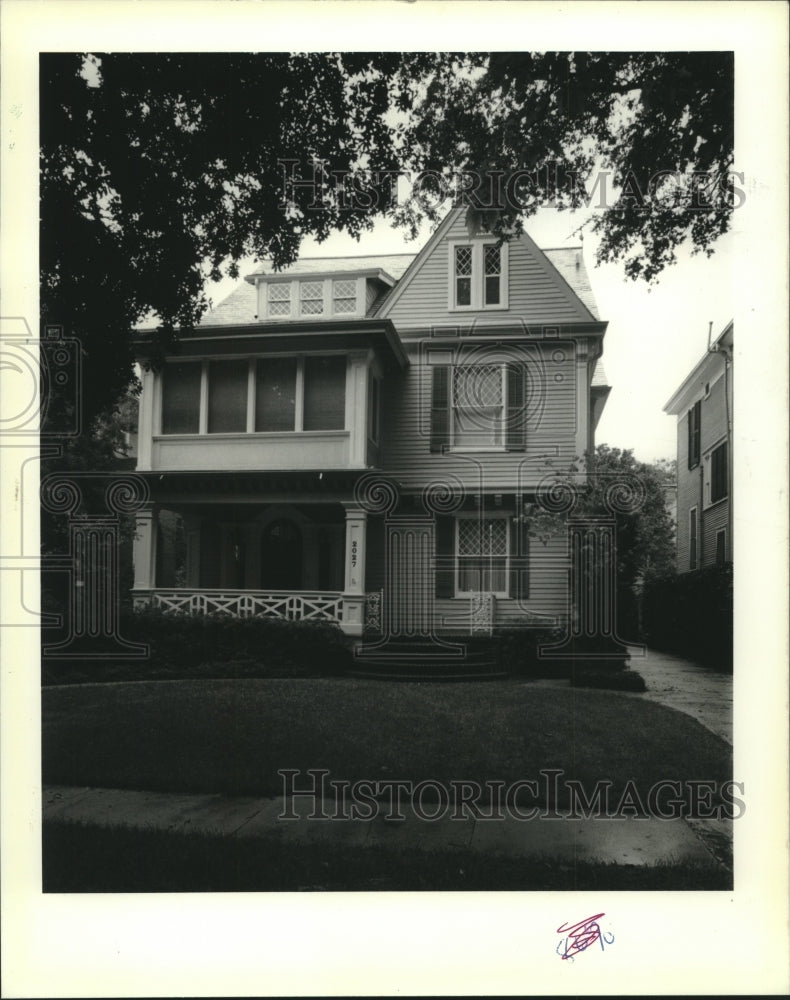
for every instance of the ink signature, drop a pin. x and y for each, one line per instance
(579, 937)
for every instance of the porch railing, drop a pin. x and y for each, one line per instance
(290, 605)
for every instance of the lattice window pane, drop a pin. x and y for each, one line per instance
(312, 297)
(493, 259)
(463, 261)
(482, 537)
(344, 294)
(279, 299)
(477, 386)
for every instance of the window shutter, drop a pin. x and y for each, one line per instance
(519, 561)
(445, 556)
(440, 407)
(516, 428)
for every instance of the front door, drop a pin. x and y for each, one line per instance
(281, 556)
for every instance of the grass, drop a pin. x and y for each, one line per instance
(232, 736)
(77, 858)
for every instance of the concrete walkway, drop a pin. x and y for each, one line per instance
(688, 687)
(623, 841)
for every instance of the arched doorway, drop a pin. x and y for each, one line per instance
(281, 555)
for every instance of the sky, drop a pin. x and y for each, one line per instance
(656, 334)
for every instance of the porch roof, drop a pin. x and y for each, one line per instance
(274, 338)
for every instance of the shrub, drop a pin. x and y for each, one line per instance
(691, 614)
(183, 645)
(613, 680)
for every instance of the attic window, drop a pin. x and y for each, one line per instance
(311, 297)
(279, 299)
(478, 275)
(344, 296)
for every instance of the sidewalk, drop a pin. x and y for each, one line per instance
(688, 687)
(624, 841)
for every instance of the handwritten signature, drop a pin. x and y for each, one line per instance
(579, 937)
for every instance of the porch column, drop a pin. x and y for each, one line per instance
(354, 590)
(144, 553)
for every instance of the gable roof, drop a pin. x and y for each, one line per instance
(241, 305)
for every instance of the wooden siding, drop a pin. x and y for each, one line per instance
(537, 293)
(551, 434)
(710, 519)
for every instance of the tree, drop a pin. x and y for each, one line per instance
(612, 480)
(161, 171)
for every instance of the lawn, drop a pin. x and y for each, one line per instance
(232, 736)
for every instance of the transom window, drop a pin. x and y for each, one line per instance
(482, 555)
(478, 275)
(478, 406)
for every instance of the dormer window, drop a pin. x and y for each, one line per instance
(311, 298)
(344, 296)
(279, 299)
(478, 275)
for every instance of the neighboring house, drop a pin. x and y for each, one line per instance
(353, 438)
(703, 406)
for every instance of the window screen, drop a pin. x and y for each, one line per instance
(227, 396)
(275, 395)
(181, 398)
(324, 394)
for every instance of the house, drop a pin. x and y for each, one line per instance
(703, 406)
(354, 439)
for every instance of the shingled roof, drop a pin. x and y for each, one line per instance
(241, 305)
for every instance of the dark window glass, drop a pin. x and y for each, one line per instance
(324, 394)
(693, 539)
(181, 398)
(694, 435)
(227, 396)
(373, 409)
(493, 271)
(275, 395)
(721, 550)
(718, 474)
(463, 276)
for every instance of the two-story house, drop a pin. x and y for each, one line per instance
(703, 406)
(355, 439)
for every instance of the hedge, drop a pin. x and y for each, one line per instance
(184, 645)
(691, 614)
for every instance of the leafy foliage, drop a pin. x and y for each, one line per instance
(160, 171)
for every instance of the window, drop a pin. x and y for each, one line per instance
(478, 405)
(693, 538)
(718, 473)
(324, 394)
(275, 395)
(478, 275)
(278, 299)
(311, 298)
(373, 409)
(268, 395)
(694, 435)
(482, 555)
(344, 296)
(181, 398)
(227, 396)
(721, 546)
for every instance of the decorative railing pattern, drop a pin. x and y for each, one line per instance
(482, 614)
(292, 606)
